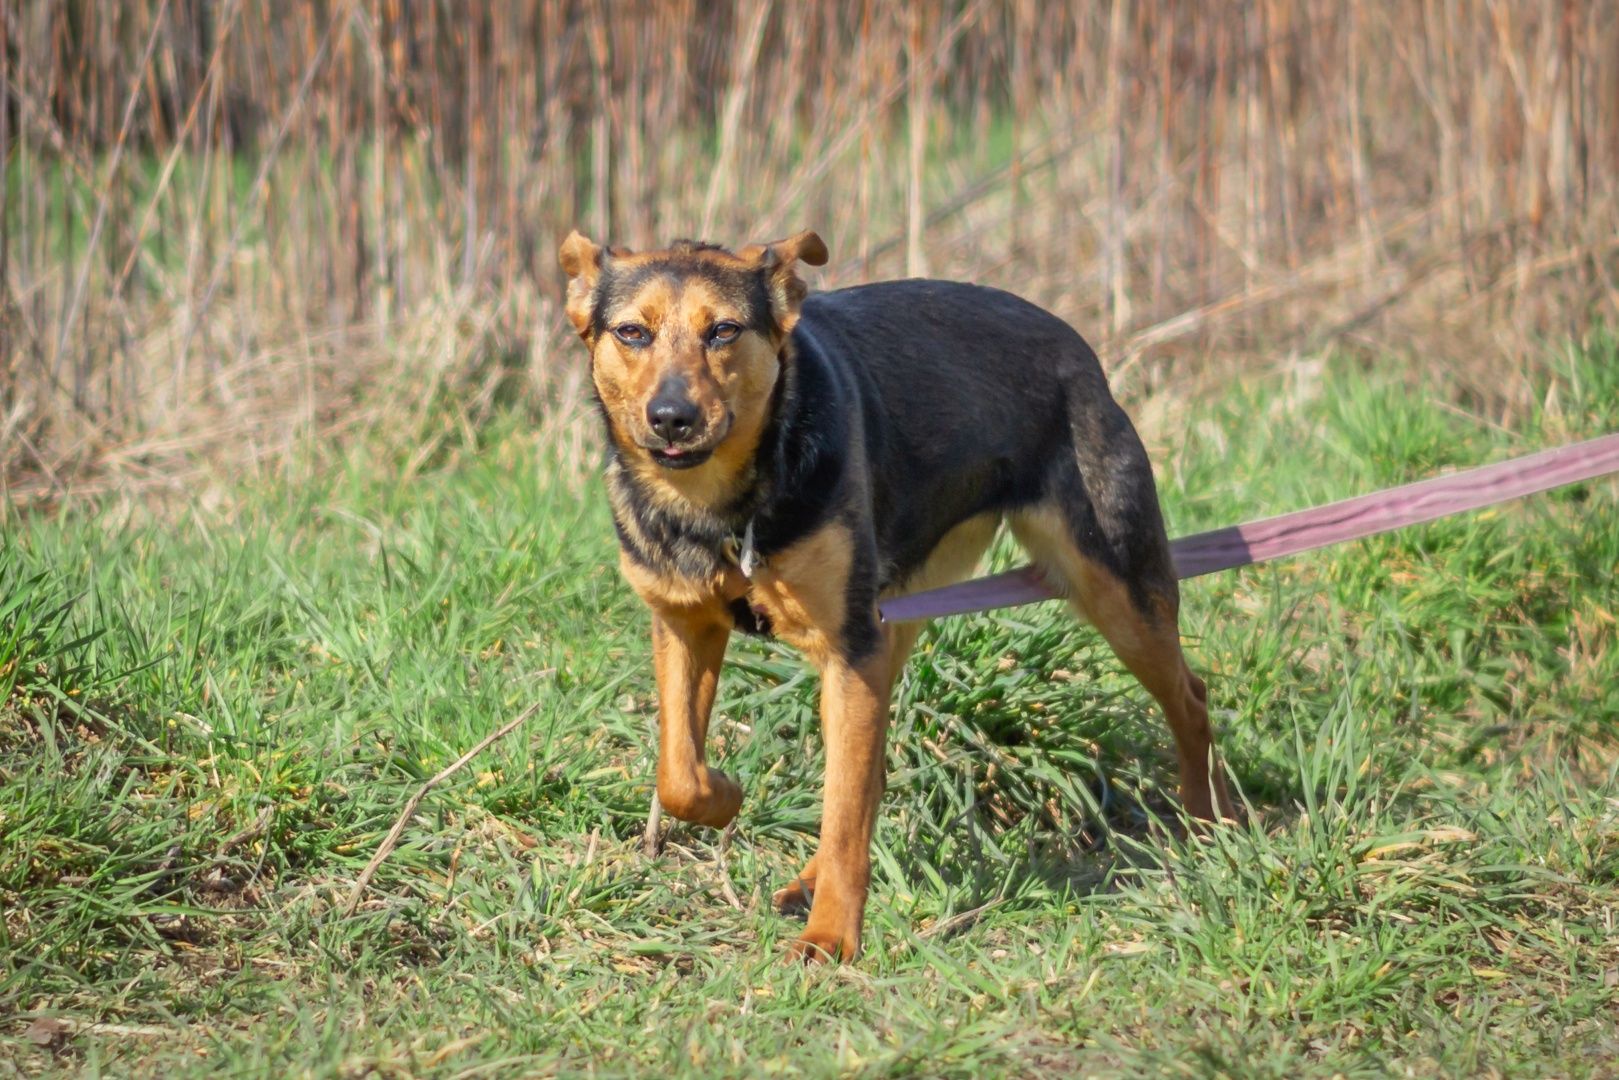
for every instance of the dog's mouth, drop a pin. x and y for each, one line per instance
(681, 457)
(688, 455)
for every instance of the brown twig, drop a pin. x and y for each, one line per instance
(959, 920)
(654, 823)
(650, 840)
(392, 839)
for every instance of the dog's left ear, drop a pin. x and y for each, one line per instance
(777, 262)
(582, 259)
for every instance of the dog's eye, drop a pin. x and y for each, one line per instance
(724, 333)
(632, 335)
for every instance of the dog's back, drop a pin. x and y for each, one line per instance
(973, 398)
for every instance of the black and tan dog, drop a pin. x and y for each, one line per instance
(780, 462)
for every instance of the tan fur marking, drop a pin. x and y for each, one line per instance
(954, 557)
(626, 377)
(581, 260)
(802, 591)
(779, 260)
(731, 385)
(674, 592)
(1150, 649)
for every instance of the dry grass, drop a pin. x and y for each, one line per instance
(234, 229)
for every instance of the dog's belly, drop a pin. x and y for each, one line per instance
(953, 558)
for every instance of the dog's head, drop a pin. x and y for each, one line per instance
(686, 343)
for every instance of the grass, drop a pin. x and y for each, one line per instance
(210, 718)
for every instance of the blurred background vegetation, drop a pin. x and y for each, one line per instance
(238, 228)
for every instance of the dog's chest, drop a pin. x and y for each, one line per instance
(796, 594)
(806, 612)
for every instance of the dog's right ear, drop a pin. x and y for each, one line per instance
(582, 260)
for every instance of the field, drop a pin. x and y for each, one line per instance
(214, 709)
(299, 502)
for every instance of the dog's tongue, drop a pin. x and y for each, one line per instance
(671, 451)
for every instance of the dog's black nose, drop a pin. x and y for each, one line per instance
(673, 418)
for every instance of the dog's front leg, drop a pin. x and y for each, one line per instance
(854, 724)
(687, 650)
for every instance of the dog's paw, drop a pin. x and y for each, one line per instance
(820, 947)
(714, 800)
(725, 802)
(795, 899)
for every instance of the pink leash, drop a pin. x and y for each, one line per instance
(1302, 530)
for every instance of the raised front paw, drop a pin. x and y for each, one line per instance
(711, 798)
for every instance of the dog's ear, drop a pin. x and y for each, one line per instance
(582, 260)
(776, 262)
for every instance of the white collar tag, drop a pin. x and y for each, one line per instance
(749, 560)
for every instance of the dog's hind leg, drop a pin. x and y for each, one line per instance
(1139, 619)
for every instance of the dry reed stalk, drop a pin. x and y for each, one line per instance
(916, 263)
(721, 178)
